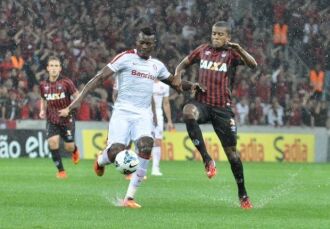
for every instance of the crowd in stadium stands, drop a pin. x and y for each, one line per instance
(86, 35)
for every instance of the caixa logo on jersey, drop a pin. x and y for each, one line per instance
(23, 143)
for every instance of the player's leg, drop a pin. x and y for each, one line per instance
(118, 138)
(144, 145)
(193, 112)
(156, 150)
(226, 130)
(53, 138)
(156, 156)
(67, 134)
(141, 133)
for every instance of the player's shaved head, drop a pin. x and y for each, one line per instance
(148, 31)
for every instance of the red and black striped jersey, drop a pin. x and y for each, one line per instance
(217, 69)
(58, 96)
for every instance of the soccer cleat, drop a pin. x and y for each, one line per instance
(99, 170)
(156, 173)
(75, 156)
(210, 169)
(245, 202)
(128, 203)
(61, 175)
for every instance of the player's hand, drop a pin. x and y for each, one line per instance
(42, 114)
(64, 112)
(232, 45)
(170, 126)
(198, 88)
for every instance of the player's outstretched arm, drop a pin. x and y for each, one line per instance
(174, 82)
(105, 73)
(182, 67)
(247, 58)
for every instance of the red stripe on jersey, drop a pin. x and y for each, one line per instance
(58, 96)
(121, 54)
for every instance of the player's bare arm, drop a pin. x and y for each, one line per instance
(167, 111)
(187, 85)
(174, 82)
(179, 70)
(43, 105)
(153, 109)
(105, 73)
(246, 57)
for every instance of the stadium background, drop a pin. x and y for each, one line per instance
(290, 41)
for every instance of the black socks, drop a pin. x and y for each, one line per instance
(196, 137)
(57, 159)
(237, 169)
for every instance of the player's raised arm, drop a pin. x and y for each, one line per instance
(246, 57)
(105, 73)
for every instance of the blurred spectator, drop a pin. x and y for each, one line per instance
(242, 109)
(316, 77)
(275, 114)
(17, 59)
(12, 106)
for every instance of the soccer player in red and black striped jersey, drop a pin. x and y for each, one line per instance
(217, 64)
(57, 92)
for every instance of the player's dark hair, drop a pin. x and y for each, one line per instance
(223, 24)
(148, 31)
(53, 58)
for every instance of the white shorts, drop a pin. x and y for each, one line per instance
(158, 130)
(125, 126)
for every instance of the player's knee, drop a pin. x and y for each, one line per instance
(190, 112)
(114, 150)
(144, 145)
(157, 142)
(232, 153)
(69, 147)
(53, 144)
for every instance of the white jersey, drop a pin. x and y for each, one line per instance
(160, 91)
(135, 80)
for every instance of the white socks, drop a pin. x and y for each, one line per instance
(156, 155)
(137, 178)
(103, 158)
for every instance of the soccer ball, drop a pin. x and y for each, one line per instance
(126, 161)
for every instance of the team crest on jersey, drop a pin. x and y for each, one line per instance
(59, 87)
(214, 66)
(46, 87)
(207, 53)
(224, 54)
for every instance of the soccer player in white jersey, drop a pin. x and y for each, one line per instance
(161, 93)
(131, 118)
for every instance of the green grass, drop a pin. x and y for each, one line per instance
(284, 196)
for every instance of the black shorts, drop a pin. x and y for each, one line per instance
(66, 132)
(222, 119)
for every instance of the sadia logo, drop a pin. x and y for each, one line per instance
(214, 66)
